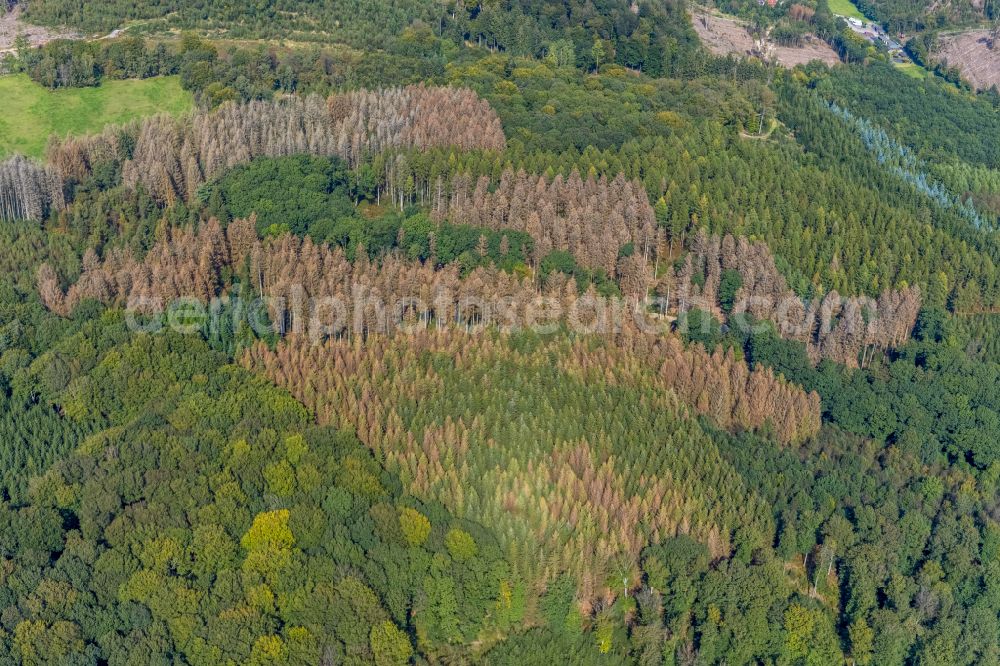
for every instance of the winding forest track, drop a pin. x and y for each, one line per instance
(772, 125)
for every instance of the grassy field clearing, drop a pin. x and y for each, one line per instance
(846, 8)
(914, 70)
(32, 113)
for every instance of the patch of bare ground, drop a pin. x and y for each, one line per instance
(723, 35)
(970, 51)
(11, 26)
(812, 48)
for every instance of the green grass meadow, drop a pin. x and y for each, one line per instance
(846, 8)
(30, 113)
(913, 70)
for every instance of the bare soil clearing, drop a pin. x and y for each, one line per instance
(11, 26)
(970, 52)
(723, 35)
(812, 48)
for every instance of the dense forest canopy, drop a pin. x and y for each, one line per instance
(935, 119)
(909, 17)
(337, 21)
(509, 332)
(636, 35)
